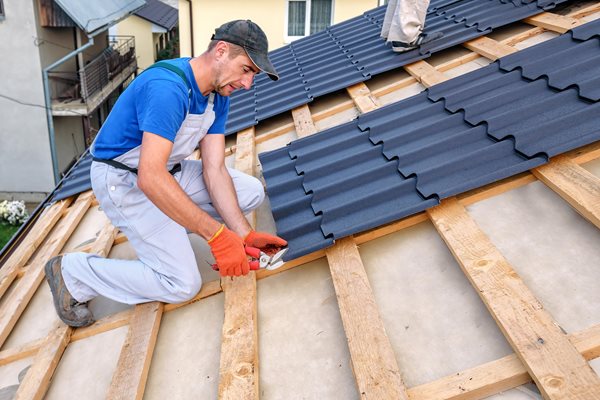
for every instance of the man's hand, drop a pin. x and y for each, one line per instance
(270, 244)
(230, 255)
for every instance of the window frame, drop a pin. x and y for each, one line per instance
(307, 4)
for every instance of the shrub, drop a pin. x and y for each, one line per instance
(13, 212)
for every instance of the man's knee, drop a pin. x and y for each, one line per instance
(252, 195)
(186, 290)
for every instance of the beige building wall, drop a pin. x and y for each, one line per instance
(144, 40)
(269, 14)
(25, 163)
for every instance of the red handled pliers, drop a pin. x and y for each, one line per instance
(261, 260)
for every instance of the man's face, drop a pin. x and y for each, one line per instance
(234, 73)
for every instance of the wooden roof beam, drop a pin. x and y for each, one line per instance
(238, 370)
(425, 73)
(373, 360)
(303, 121)
(579, 187)
(552, 22)
(555, 365)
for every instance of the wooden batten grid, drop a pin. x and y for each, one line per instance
(557, 362)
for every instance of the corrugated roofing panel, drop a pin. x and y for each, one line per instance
(93, 15)
(294, 218)
(77, 179)
(353, 51)
(461, 134)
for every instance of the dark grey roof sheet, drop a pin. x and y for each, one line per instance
(77, 180)
(495, 122)
(352, 51)
(159, 13)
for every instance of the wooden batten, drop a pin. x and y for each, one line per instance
(303, 121)
(11, 310)
(577, 186)
(489, 48)
(238, 368)
(129, 379)
(362, 97)
(425, 73)
(373, 361)
(40, 230)
(555, 365)
(552, 22)
(37, 379)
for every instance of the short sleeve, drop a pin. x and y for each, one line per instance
(221, 113)
(161, 107)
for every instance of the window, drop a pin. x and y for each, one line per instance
(305, 17)
(1, 9)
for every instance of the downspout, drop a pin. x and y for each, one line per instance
(191, 27)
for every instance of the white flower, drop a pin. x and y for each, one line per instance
(13, 212)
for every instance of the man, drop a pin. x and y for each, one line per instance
(403, 25)
(154, 196)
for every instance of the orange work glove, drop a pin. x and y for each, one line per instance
(270, 244)
(230, 255)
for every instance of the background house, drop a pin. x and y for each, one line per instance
(63, 78)
(282, 20)
(154, 27)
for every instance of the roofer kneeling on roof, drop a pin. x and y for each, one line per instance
(153, 195)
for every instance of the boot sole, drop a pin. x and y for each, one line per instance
(50, 277)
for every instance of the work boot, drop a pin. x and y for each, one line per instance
(69, 310)
(401, 47)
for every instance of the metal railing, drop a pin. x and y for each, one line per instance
(97, 73)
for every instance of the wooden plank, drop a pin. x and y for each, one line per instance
(557, 368)
(37, 379)
(497, 376)
(552, 22)
(13, 307)
(34, 238)
(425, 73)
(238, 370)
(489, 48)
(362, 97)
(303, 121)
(579, 187)
(129, 379)
(239, 347)
(105, 239)
(373, 361)
(105, 324)
(18, 353)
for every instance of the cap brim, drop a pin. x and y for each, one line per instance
(263, 63)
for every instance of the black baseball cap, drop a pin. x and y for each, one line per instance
(248, 35)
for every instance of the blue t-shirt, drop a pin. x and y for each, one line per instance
(156, 101)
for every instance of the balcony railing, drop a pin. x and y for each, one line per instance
(96, 74)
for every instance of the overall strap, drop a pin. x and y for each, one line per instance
(178, 71)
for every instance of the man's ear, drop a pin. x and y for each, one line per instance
(221, 49)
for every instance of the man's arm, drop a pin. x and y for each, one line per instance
(219, 184)
(164, 191)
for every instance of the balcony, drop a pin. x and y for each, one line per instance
(81, 92)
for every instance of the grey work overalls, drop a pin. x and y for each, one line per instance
(166, 268)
